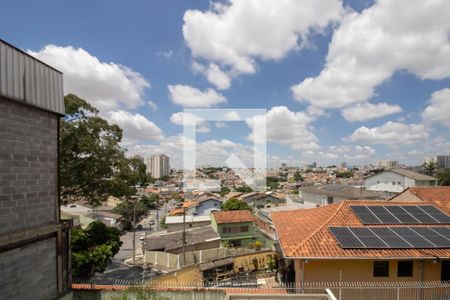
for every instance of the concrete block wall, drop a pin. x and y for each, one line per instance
(28, 167)
(29, 272)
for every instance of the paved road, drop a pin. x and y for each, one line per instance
(117, 272)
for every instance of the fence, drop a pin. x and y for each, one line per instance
(407, 290)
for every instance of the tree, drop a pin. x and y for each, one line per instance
(127, 210)
(444, 177)
(162, 223)
(345, 174)
(93, 165)
(429, 167)
(224, 190)
(93, 248)
(235, 204)
(272, 183)
(298, 176)
(151, 201)
(244, 189)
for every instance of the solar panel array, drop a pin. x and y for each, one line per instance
(400, 214)
(392, 237)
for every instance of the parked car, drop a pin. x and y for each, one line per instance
(151, 222)
(139, 226)
(142, 237)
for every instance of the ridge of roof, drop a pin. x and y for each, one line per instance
(333, 214)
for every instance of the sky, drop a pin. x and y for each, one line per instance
(340, 81)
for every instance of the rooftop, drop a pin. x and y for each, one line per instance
(304, 233)
(340, 190)
(188, 219)
(437, 195)
(232, 216)
(410, 174)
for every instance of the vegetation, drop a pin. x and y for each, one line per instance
(93, 165)
(235, 204)
(346, 174)
(162, 223)
(444, 177)
(151, 201)
(93, 248)
(127, 209)
(224, 190)
(429, 168)
(298, 176)
(272, 183)
(258, 245)
(244, 189)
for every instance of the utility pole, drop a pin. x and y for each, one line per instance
(184, 236)
(134, 228)
(157, 217)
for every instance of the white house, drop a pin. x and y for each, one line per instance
(396, 180)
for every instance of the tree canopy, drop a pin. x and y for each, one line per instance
(93, 165)
(244, 189)
(429, 168)
(235, 204)
(444, 177)
(93, 248)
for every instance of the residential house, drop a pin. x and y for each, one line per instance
(232, 195)
(206, 204)
(235, 227)
(334, 193)
(396, 180)
(437, 195)
(262, 200)
(176, 223)
(199, 238)
(365, 241)
(34, 242)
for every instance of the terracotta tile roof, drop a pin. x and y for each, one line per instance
(304, 233)
(232, 216)
(439, 196)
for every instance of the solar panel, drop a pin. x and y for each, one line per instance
(345, 237)
(412, 237)
(432, 236)
(402, 215)
(436, 214)
(384, 215)
(392, 237)
(368, 238)
(365, 215)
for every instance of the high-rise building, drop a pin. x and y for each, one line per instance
(387, 164)
(443, 161)
(158, 165)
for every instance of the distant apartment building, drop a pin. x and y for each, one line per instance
(387, 164)
(443, 161)
(34, 244)
(158, 165)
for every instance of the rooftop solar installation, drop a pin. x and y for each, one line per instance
(400, 214)
(391, 237)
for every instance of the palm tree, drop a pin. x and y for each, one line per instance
(444, 177)
(429, 167)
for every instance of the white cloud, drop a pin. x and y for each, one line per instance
(239, 32)
(167, 54)
(368, 111)
(221, 125)
(189, 96)
(287, 128)
(352, 153)
(191, 119)
(214, 74)
(135, 127)
(152, 105)
(390, 133)
(232, 116)
(106, 86)
(439, 109)
(368, 48)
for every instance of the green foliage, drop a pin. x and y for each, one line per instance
(164, 178)
(298, 176)
(244, 189)
(429, 167)
(176, 196)
(93, 165)
(126, 209)
(151, 201)
(93, 248)
(346, 174)
(272, 183)
(258, 245)
(224, 190)
(444, 177)
(162, 223)
(235, 204)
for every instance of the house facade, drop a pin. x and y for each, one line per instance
(329, 194)
(314, 250)
(34, 243)
(262, 200)
(235, 227)
(394, 181)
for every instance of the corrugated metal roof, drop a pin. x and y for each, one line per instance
(27, 79)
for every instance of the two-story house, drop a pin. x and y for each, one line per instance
(234, 227)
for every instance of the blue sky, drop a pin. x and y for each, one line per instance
(352, 81)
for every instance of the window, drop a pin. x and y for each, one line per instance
(244, 228)
(405, 268)
(226, 230)
(330, 200)
(381, 269)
